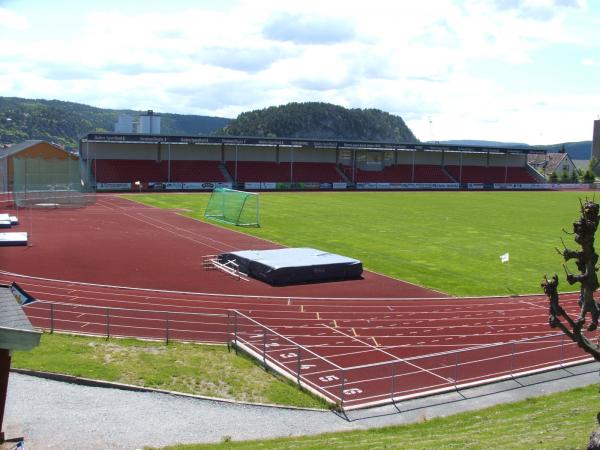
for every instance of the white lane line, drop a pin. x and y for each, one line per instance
(389, 354)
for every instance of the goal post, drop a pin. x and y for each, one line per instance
(234, 207)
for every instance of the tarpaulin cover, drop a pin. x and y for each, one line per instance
(285, 266)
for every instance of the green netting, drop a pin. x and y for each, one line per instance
(234, 207)
(5, 195)
(51, 183)
(3, 175)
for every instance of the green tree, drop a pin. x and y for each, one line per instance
(320, 121)
(65, 122)
(590, 176)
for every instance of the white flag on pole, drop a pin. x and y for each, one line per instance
(504, 258)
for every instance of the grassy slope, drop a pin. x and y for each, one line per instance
(449, 241)
(557, 421)
(208, 370)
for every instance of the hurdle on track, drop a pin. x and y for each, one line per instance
(211, 262)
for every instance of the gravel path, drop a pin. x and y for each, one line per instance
(57, 415)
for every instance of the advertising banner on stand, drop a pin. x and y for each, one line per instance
(205, 186)
(113, 186)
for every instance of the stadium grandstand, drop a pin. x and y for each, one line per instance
(161, 162)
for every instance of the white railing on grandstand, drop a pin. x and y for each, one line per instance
(400, 378)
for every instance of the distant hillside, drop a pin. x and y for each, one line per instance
(320, 121)
(64, 122)
(576, 150)
(483, 143)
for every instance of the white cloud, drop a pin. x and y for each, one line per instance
(304, 29)
(412, 59)
(12, 21)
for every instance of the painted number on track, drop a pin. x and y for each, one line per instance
(327, 378)
(288, 355)
(273, 344)
(352, 391)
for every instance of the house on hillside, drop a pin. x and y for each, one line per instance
(31, 150)
(547, 164)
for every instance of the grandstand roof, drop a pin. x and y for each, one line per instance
(300, 142)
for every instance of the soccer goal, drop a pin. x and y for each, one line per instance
(234, 207)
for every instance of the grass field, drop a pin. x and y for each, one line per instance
(207, 370)
(449, 241)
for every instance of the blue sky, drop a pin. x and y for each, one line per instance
(510, 70)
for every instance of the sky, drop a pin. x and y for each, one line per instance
(524, 71)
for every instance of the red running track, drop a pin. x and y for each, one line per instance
(357, 342)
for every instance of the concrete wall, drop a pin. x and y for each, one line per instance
(322, 155)
(193, 152)
(428, 158)
(484, 159)
(109, 150)
(367, 159)
(246, 153)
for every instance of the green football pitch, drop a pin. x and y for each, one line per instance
(448, 241)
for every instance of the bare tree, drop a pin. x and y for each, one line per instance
(586, 258)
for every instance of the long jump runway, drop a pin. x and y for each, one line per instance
(122, 269)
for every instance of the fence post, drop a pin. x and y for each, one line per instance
(107, 323)
(456, 355)
(343, 385)
(264, 347)
(228, 331)
(51, 317)
(235, 330)
(167, 328)
(393, 382)
(562, 349)
(298, 350)
(512, 359)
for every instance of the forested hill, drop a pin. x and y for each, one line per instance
(320, 121)
(64, 122)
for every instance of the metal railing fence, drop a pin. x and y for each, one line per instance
(125, 322)
(351, 386)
